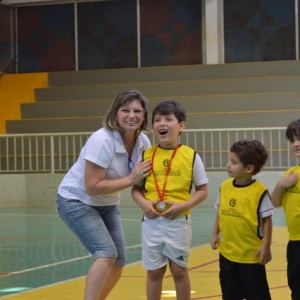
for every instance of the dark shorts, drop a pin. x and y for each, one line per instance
(243, 281)
(293, 270)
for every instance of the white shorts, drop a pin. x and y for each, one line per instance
(164, 240)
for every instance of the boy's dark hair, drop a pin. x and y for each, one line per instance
(169, 107)
(251, 153)
(293, 130)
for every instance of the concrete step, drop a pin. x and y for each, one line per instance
(10, 111)
(17, 96)
(16, 89)
(201, 103)
(63, 109)
(238, 95)
(20, 84)
(174, 88)
(175, 73)
(39, 79)
(2, 126)
(272, 118)
(89, 124)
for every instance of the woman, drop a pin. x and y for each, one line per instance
(89, 194)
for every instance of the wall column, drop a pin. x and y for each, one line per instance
(213, 32)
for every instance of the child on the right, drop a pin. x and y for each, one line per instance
(287, 194)
(243, 225)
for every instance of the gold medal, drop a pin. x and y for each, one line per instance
(161, 206)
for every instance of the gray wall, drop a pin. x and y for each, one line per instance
(39, 190)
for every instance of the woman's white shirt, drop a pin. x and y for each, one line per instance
(106, 149)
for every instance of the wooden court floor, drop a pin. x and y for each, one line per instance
(203, 266)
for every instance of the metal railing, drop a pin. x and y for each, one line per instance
(56, 152)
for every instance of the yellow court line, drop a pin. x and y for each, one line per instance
(203, 268)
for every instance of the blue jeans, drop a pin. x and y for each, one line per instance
(99, 228)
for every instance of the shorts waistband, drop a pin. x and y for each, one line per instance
(163, 218)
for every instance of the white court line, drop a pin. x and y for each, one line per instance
(28, 291)
(27, 215)
(56, 264)
(56, 216)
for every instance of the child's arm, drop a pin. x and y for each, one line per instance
(264, 252)
(176, 208)
(215, 239)
(137, 193)
(282, 184)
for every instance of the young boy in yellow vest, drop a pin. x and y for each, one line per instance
(166, 199)
(287, 194)
(244, 222)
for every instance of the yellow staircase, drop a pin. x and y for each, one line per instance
(16, 89)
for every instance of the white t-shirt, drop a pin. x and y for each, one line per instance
(199, 174)
(104, 148)
(266, 207)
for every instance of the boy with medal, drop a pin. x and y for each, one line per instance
(166, 199)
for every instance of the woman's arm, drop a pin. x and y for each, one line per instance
(97, 184)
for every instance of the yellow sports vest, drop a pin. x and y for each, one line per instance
(239, 220)
(179, 180)
(291, 206)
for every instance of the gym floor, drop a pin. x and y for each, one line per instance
(41, 259)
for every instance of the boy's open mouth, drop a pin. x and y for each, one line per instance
(163, 131)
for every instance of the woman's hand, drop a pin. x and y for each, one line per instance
(140, 171)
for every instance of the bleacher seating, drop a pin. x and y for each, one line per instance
(237, 95)
(16, 89)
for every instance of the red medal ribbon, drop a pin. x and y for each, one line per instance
(161, 194)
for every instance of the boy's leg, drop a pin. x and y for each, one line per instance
(154, 283)
(254, 281)
(293, 270)
(229, 280)
(181, 280)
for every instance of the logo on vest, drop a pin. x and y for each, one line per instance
(166, 163)
(293, 190)
(232, 202)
